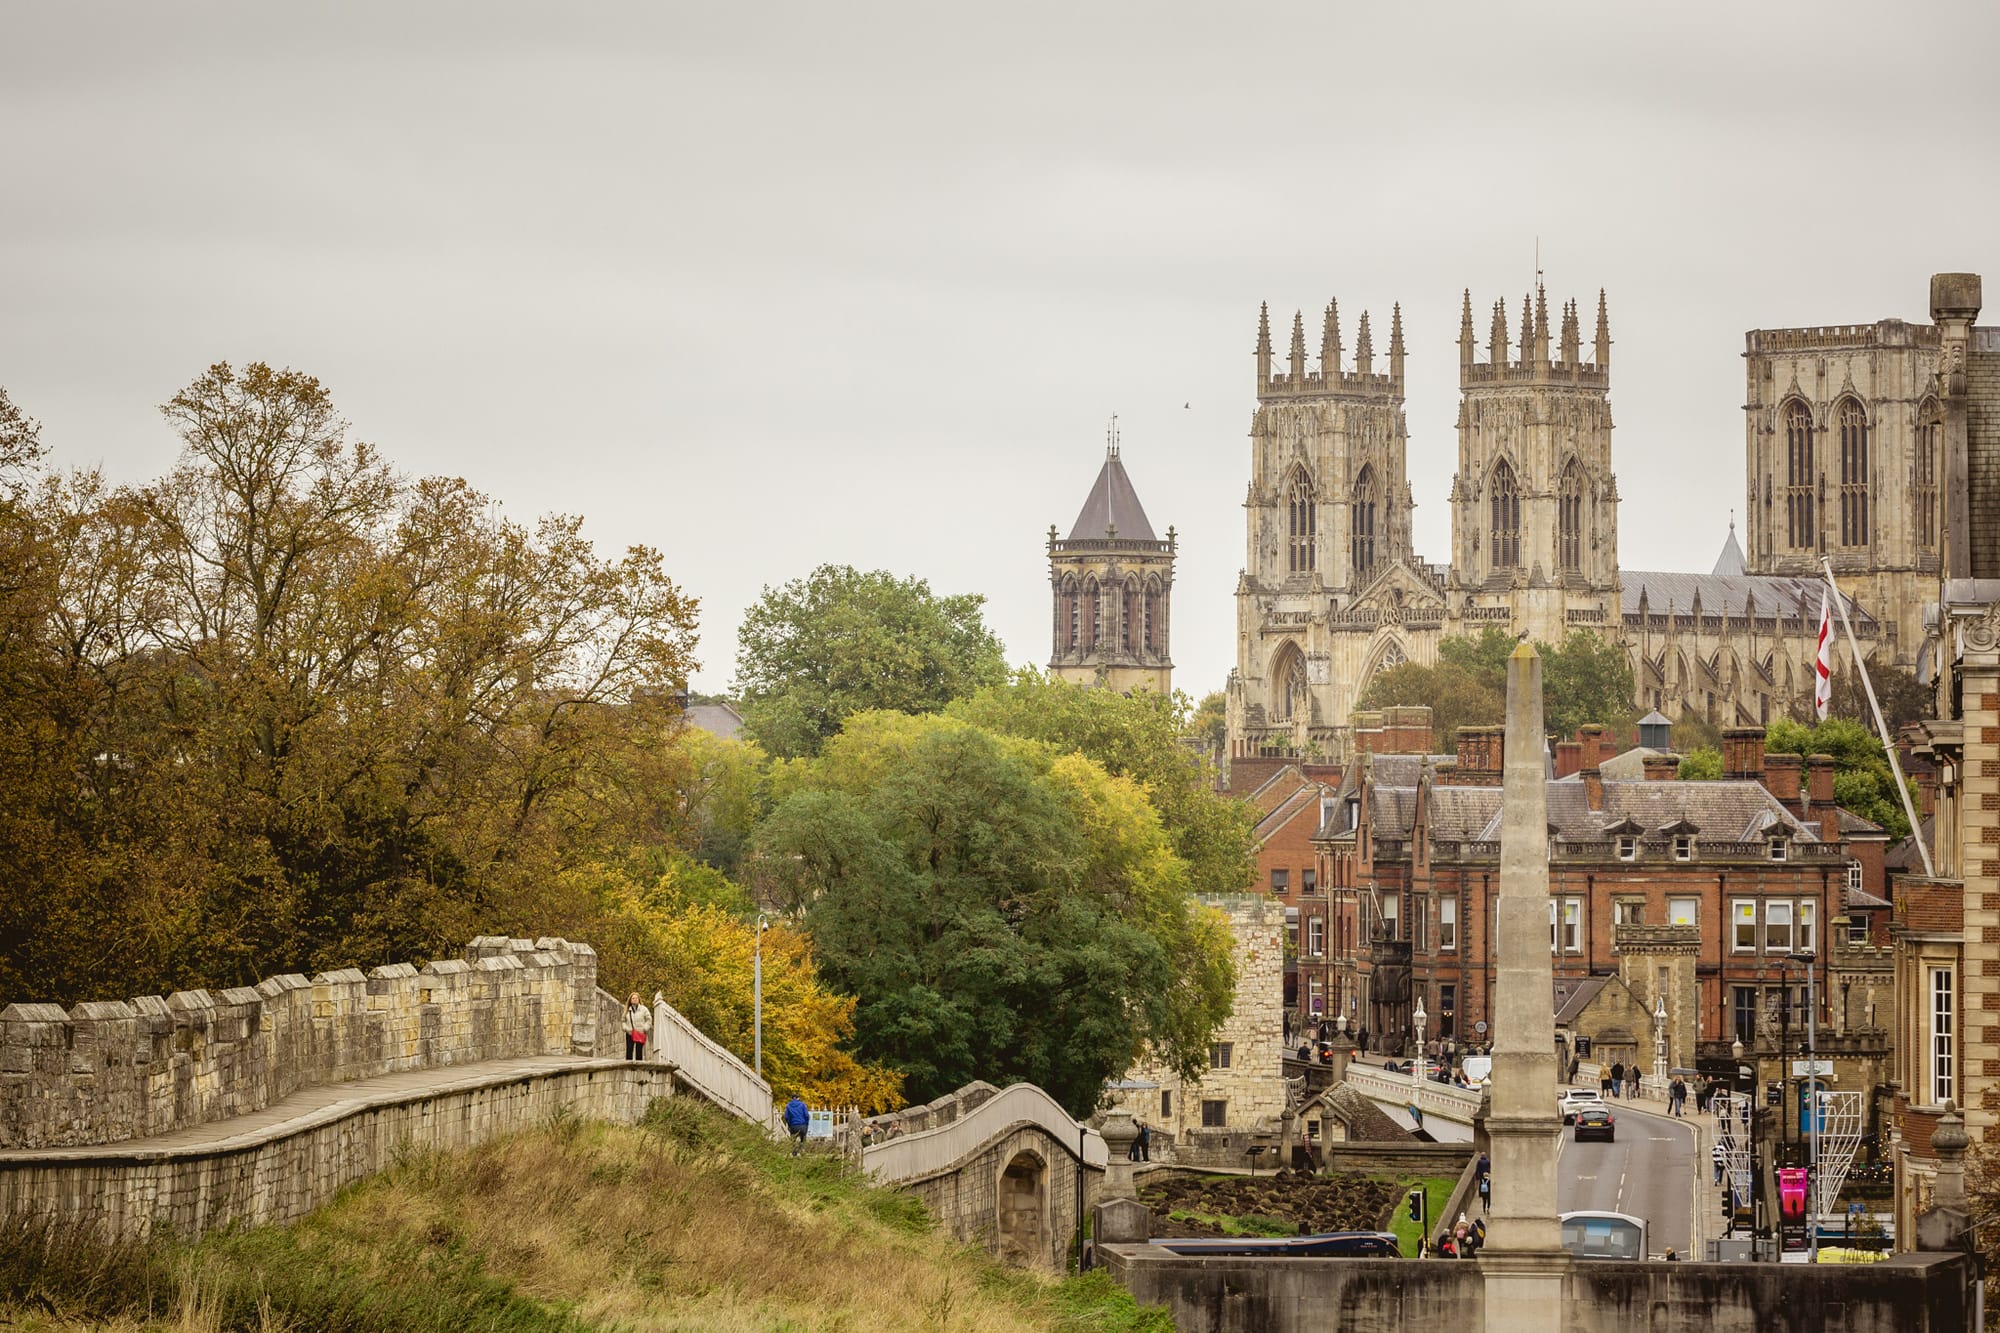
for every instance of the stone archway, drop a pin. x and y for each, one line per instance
(1022, 1210)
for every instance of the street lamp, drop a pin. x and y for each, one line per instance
(757, 999)
(1814, 1100)
(1418, 1018)
(1660, 1041)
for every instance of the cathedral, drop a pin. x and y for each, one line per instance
(1332, 593)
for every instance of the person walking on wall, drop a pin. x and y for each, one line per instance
(797, 1117)
(638, 1027)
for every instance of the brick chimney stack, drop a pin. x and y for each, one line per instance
(1781, 778)
(1569, 758)
(1368, 734)
(1596, 745)
(1406, 729)
(1591, 745)
(1662, 767)
(1481, 756)
(1743, 754)
(1819, 769)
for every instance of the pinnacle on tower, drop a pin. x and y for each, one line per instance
(1298, 349)
(1541, 324)
(1396, 343)
(1603, 333)
(1572, 335)
(1329, 343)
(1527, 328)
(1497, 339)
(1465, 340)
(1263, 346)
(1364, 348)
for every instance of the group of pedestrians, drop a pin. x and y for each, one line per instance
(1462, 1240)
(1618, 1081)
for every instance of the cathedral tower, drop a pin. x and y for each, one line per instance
(1112, 581)
(1534, 506)
(1328, 580)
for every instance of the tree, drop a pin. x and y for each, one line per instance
(1210, 724)
(1701, 765)
(1903, 698)
(841, 641)
(1456, 696)
(1585, 679)
(1862, 779)
(1000, 911)
(1138, 736)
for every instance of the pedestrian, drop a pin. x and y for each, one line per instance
(1305, 1051)
(1361, 1039)
(1632, 1081)
(1719, 1158)
(1145, 1143)
(1460, 1235)
(1677, 1095)
(1484, 1165)
(1617, 1083)
(638, 1026)
(1475, 1238)
(1485, 1192)
(1444, 1248)
(1671, 1256)
(797, 1117)
(1574, 1065)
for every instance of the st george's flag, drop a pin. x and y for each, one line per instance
(1823, 665)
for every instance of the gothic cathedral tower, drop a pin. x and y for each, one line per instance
(1534, 507)
(1329, 593)
(1113, 585)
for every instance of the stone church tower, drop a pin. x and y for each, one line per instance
(1534, 506)
(1112, 582)
(1329, 591)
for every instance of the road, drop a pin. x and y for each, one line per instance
(1647, 1171)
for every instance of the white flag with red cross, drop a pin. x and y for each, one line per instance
(1823, 664)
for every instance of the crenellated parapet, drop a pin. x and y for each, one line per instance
(111, 1070)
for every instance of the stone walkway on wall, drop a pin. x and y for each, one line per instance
(313, 1106)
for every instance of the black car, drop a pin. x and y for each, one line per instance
(1595, 1122)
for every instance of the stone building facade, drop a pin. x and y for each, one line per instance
(1244, 1089)
(1947, 992)
(1331, 592)
(1112, 583)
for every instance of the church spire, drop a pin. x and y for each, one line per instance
(1396, 343)
(1572, 335)
(1329, 344)
(1298, 350)
(1528, 329)
(1497, 340)
(1603, 333)
(1466, 344)
(1264, 347)
(1541, 324)
(1364, 348)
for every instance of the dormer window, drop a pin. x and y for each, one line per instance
(1683, 847)
(1628, 847)
(1777, 849)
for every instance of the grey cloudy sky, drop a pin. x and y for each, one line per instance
(766, 286)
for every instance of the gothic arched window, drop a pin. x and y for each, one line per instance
(1504, 502)
(1091, 601)
(1853, 423)
(1798, 475)
(1924, 497)
(1569, 517)
(1155, 631)
(1066, 613)
(1129, 612)
(1302, 531)
(1361, 545)
(1288, 685)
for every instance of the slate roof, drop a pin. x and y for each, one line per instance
(1729, 811)
(1112, 503)
(719, 719)
(1365, 1121)
(1728, 594)
(1731, 559)
(1306, 797)
(1571, 1007)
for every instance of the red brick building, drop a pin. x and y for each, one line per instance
(1757, 863)
(1290, 806)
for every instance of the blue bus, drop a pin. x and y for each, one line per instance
(1604, 1235)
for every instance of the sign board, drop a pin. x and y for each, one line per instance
(1812, 1069)
(1480, 1027)
(819, 1125)
(1792, 1195)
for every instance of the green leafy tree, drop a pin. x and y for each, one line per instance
(1137, 736)
(1702, 765)
(1903, 699)
(1210, 724)
(1484, 654)
(1456, 695)
(1001, 911)
(841, 641)
(1862, 779)
(1587, 679)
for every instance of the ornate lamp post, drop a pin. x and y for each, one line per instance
(1660, 1041)
(1418, 1018)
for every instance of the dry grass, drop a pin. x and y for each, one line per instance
(688, 1222)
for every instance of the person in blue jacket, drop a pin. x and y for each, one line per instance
(797, 1117)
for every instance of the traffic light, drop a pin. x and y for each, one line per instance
(1417, 1206)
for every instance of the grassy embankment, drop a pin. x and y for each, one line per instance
(690, 1221)
(1437, 1190)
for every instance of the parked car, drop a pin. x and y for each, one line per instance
(1575, 1099)
(1595, 1122)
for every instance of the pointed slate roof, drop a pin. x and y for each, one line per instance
(1731, 559)
(1112, 503)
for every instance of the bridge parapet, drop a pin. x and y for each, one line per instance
(112, 1070)
(1442, 1100)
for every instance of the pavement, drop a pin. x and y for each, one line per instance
(312, 1106)
(1649, 1191)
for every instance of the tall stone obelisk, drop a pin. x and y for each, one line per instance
(1523, 1260)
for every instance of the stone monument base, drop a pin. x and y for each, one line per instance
(1524, 1290)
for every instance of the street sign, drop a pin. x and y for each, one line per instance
(1480, 1027)
(1812, 1069)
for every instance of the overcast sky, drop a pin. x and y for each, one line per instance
(768, 287)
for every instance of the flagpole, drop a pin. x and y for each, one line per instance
(1881, 727)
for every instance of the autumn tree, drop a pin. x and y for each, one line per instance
(841, 641)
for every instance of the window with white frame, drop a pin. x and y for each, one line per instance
(1391, 905)
(1555, 940)
(1857, 930)
(1683, 847)
(1777, 849)
(1944, 1015)
(1420, 918)
(1743, 925)
(1572, 925)
(1628, 846)
(1854, 884)
(1447, 925)
(1315, 937)
(1777, 926)
(1315, 995)
(1808, 926)
(1683, 911)
(1629, 911)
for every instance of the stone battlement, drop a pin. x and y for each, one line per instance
(112, 1070)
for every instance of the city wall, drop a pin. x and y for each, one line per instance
(112, 1070)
